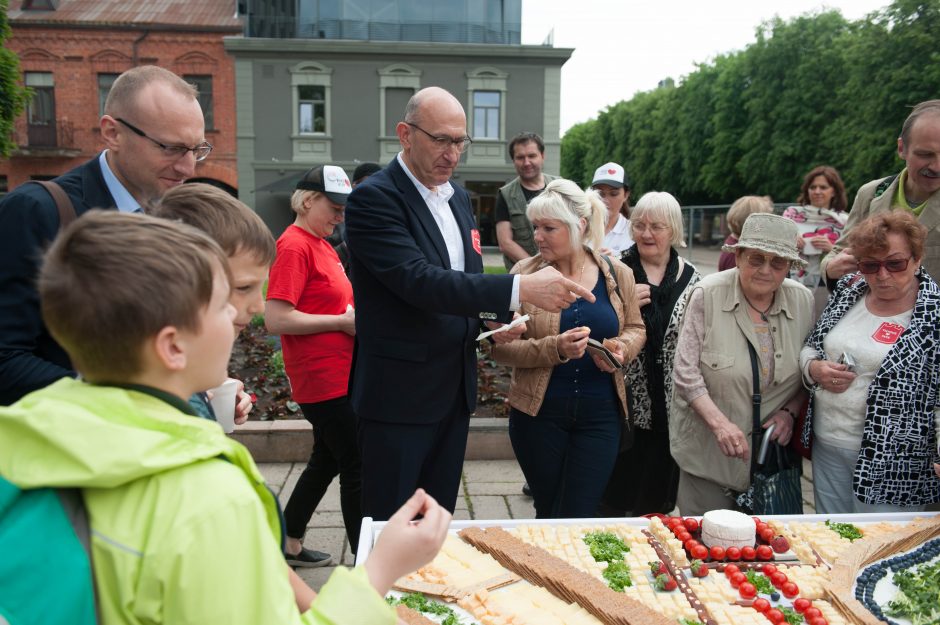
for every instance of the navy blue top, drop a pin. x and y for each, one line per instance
(581, 377)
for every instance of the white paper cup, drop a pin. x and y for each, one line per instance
(223, 404)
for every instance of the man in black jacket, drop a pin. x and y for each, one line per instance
(154, 132)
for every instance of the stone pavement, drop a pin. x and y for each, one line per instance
(490, 489)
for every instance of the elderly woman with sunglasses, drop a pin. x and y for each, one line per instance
(873, 366)
(753, 310)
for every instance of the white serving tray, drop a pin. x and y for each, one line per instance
(371, 529)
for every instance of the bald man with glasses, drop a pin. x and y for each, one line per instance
(154, 133)
(417, 274)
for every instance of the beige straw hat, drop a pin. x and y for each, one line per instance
(769, 233)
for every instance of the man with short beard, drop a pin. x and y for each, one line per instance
(914, 189)
(513, 230)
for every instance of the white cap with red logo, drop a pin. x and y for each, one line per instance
(612, 175)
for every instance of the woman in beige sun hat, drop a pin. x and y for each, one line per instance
(711, 425)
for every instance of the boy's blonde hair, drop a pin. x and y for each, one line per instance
(113, 280)
(234, 226)
(744, 207)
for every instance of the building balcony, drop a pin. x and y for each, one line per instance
(55, 140)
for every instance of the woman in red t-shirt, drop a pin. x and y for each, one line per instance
(310, 304)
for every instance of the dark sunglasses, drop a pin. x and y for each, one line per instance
(777, 263)
(893, 265)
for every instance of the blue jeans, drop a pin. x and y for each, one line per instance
(567, 453)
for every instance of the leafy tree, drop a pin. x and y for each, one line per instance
(13, 96)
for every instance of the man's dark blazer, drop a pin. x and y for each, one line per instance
(416, 320)
(29, 357)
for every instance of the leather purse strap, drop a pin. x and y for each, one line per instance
(756, 435)
(62, 201)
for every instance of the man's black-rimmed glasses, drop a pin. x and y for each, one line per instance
(200, 151)
(442, 142)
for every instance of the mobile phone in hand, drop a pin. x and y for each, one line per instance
(596, 347)
(848, 361)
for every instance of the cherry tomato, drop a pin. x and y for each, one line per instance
(748, 553)
(717, 553)
(775, 616)
(672, 521)
(756, 520)
(764, 552)
(768, 569)
(790, 590)
(813, 612)
(733, 554)
(761, 605)
(731, 569)
(691, 524)
(767, 534)
(737, 579)
(801, 604)
(747, 590)
(699, 552)
(683, 536)
(778, 579)
(817, 620)
(690, 544)
(760, 527)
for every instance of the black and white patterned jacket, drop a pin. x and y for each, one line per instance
(899, 439)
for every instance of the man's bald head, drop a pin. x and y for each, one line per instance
(434, 98)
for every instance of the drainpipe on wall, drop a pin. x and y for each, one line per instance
(134, 54)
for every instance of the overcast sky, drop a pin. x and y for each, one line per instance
(625, 46)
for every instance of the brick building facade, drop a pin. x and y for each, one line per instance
(70, 53)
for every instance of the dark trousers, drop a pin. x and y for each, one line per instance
(397, 458)
(645, 478)
(334, 453)
(566, 453)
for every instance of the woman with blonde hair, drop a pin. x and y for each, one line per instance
(568, 404)
(742, 208)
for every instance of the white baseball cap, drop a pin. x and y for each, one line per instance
(612, 175)
(328, 179)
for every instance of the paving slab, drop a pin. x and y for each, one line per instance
(492, 471)
(520, 506)
(494, 488)
(275, 474)
(489, 507)
(315, 578)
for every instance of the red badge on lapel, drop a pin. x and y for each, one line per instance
(475, 239)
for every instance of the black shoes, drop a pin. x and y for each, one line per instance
(526, 490)
(309, 558)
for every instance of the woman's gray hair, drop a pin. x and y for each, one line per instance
(662, 207)
(564, 201)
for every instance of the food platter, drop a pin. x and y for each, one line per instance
(817, 564)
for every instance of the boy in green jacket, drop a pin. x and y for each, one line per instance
(184, 530)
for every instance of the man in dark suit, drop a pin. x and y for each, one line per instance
(419, 289)
(154, 133)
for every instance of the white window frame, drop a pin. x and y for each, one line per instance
(394, 76)
(315, 147)
(487, 150)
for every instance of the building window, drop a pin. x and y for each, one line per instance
(104, 88)
(486, 114)
(311, 109)
(4, 185)
(396, 99)
(40, 113)
(203, 84)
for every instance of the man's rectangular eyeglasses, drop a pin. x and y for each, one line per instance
(201, 151)
(777, 263)
(893, 265)
(442, 142)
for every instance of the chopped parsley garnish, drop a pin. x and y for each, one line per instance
(617, 575)
(918, 597)
(689, 621)
(845, 530)
(760, 581)
(417, 601)
(793, 617)
(605, 547)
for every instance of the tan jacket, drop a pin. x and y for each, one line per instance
(867, 203)
(725, 365)
(533, 356)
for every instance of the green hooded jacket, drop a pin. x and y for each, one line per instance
(184, 529)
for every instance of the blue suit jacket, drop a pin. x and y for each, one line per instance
(29, 357)
(416, 319)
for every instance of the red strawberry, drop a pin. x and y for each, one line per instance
(657, 567)
(665, 582)
(698, 568)
(780, 544)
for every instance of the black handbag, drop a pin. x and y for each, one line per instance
(775, 484)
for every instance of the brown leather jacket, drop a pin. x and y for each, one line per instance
(533, 356)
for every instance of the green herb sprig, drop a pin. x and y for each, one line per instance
(760, 581)
(918, 597)
(605, 547)
(845, 530)
(617, 575)
(417, 601)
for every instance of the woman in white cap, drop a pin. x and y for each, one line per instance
(750, 314)
(613, 187)
(310, 304)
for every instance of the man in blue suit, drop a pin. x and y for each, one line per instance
(154, 132)
(416, 267)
